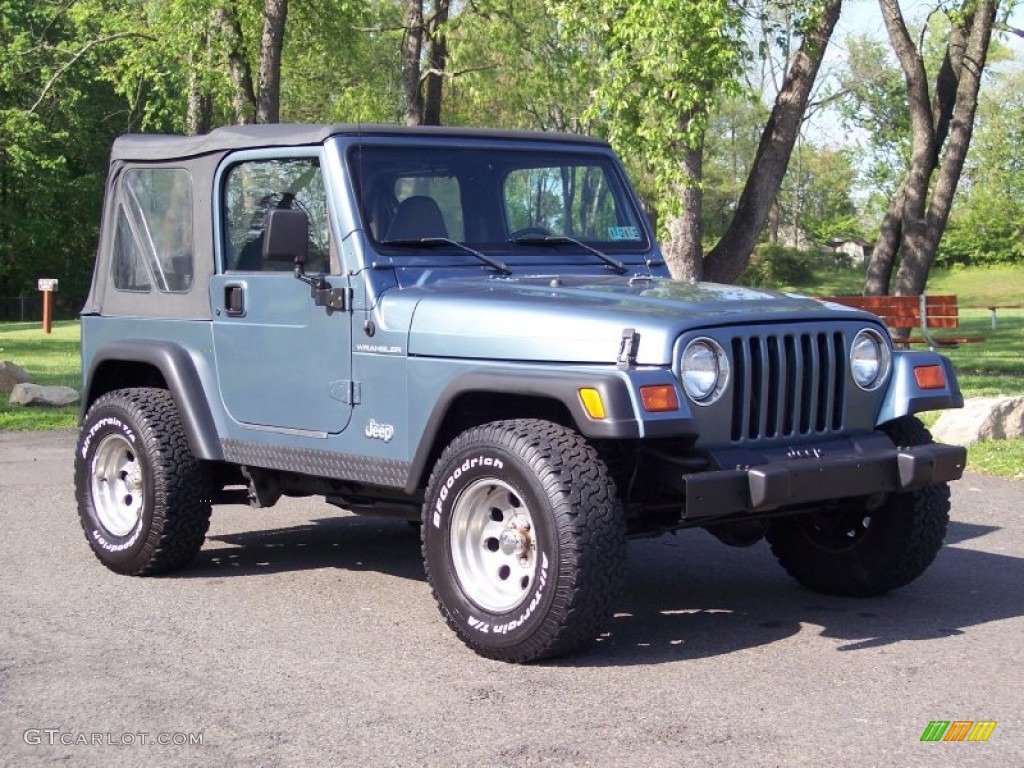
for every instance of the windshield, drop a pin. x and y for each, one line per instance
(506, 200)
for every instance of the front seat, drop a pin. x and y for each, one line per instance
(417, 217)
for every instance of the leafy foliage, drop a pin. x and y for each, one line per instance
(56, 124)
(659, 78)
(872, 101)
(660, 67)
(775, 265)
(987, 225)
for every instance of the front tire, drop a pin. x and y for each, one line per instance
(523, 539)
(867, 552)
(143, 498)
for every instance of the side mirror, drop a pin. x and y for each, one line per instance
(286, 237)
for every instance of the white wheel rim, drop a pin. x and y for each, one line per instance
(493, 545)
(117, 485)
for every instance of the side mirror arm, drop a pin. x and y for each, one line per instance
(321, 291)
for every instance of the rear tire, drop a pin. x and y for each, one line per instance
(861, 552)
(143, 498)
(523, 540)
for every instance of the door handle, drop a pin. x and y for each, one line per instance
(234, 300)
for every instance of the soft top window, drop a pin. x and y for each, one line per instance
(153, 240)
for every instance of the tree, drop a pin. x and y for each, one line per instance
(424, 57)
(511, 67)
(871, 100)
(986, 224)
(268, 103)
(343, 62)
(56, 124)
(730, 255)
(734, 131)
(660, 66)
(817, 195)
(941, 128)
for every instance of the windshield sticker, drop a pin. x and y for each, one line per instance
(624, 233)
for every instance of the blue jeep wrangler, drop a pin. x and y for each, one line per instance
(475, 330)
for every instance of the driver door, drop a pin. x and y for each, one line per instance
(283, 363)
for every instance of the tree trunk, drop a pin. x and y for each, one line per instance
(199, 112)
(774, 216)
(942, 128)
(683, 251)
(275, 17)
(729, 257)
(437, 59)
(412, 48)
(883, 258)
(913, 241)
(881, 263)
(199, 115)
(243, 100)
(913, 272)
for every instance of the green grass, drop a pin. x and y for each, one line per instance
(995, 367)
(52, 359)
(998, 457)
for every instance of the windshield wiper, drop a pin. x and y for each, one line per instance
(430, 242)
(557, 240)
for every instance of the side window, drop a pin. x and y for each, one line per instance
(153, 239)
(254, 188)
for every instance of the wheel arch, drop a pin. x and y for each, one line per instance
(164, 365)
(480, 397)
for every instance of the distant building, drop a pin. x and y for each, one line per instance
(857, 251)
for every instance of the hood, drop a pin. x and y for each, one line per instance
(580, 319)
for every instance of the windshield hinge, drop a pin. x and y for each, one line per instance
(346, 391)
(629, 344)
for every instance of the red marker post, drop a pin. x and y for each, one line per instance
(47, 285)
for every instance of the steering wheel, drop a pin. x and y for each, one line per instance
(529, 232)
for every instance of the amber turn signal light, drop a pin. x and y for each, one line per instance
(659, 397)
(930, 377)
(592, 403)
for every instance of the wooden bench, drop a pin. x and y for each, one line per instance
(909, 313)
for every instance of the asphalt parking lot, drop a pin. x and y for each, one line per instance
(302, 636)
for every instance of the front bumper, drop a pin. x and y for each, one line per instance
(754, 481)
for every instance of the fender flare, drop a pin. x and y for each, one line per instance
(179, 372)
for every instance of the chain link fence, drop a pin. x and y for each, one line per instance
(24, 309)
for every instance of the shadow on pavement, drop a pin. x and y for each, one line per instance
(686, 596)
(685, 599)
(353, 543)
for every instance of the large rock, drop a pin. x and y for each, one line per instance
(33, 394)
(12, 375)
(981, 418)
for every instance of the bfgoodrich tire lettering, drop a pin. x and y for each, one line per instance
(523, 539)
(862, 553)
(143, 499)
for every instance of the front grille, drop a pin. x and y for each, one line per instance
(787, 384)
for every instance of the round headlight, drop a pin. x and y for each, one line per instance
(869, 359)
(704, 371)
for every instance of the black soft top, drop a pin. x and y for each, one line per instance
(156, 147)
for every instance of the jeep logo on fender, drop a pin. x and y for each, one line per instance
(377, 431)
